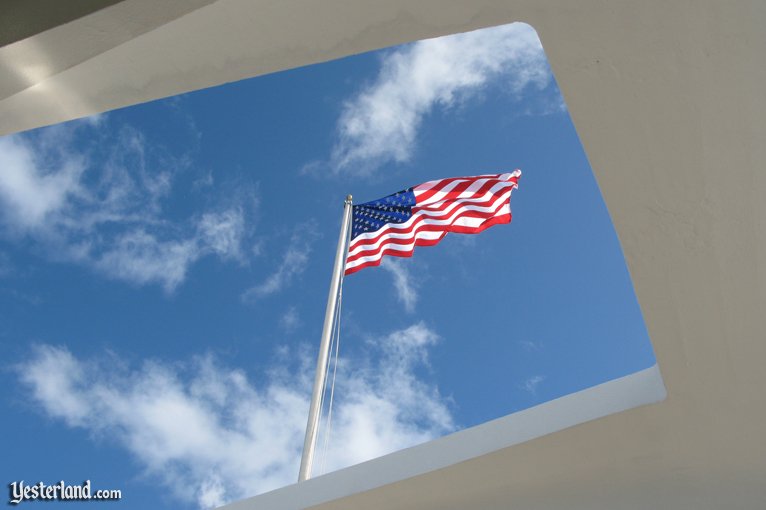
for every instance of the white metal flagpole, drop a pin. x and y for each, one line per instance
(315, 411)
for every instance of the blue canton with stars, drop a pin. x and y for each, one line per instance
(370, 216)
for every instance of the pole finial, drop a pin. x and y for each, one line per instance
(348, 199)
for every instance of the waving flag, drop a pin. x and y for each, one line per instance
(424, 214)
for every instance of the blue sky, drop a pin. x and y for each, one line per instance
(164, 271)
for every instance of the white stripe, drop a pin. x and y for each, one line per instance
(422, 234)
(432, 184)
(356, 248)
(402, 248)
(439, 195)
(390, 230)
(490, 198)
(451, 216)
(499, 189)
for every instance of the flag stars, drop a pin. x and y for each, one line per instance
(398, 208)
(371, 216)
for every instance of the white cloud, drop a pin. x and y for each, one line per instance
(206, 427)
(223, 232)
(30, 195)
(406, 287)
(290, 319)
(380, 124)
(96, 120)
(293, 263)
(531, 384)
(55, 377)
(135, 173)
(384, 406)
(106, 212)
(141, 258)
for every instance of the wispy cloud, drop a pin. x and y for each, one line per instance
(531, 384)
(30, 194)
(383, 406)
(141, 258)
(96, 120)
(293, 263)
(211, 435)
(380, 124)
(222, 232)
(105, 210)
(404, 283)
(529, 345)
(290, 320)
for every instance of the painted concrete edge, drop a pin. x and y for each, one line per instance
(634, 390)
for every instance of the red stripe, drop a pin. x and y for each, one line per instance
(418, 227)
(495, 220)
(450, 207)
(443, 182)
(453, 196)
(440, 185)
(423, 228)
(497, 200)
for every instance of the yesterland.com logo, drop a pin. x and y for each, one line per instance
(19, 491)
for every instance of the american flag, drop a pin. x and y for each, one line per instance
(424, 214)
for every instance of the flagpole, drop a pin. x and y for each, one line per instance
(315, 411)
